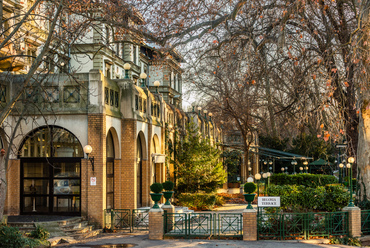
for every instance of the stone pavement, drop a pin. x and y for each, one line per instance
(121, 240)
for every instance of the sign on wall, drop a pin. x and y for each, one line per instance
(269, 201)
(93, 181)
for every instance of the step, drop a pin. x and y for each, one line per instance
(61, 239)
(22, 224)
(80, 230)
(93, 233)
(75, 225)
(70, 221)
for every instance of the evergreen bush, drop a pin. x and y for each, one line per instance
(40, 233)
(308, 180)
(11, 237)
(197, 201)
(156, 188)
(250, 188)
(168, 185)
(300, 198)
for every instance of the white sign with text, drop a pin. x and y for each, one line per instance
(93, 181)
(269, 201)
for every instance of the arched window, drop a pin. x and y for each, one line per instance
(51, 141)
(110, 172)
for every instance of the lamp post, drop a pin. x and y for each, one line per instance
(143, 76)
(199, 109)
(349, 166)
(286, 170)
(301, 169)
(258, 177)
(294, 163)
(127, 67)
(305, 163)
(156, 84)
(282, 169)
(340, 173)
(249, 169)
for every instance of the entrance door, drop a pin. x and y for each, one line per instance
(50, 179)
(50, 186)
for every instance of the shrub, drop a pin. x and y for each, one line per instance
(197, 201)
(220, 200)
(40, 233)
(168, 185)
(249, 188)
(308, 180)
(156, 188)
(301, 198)
(11, 237)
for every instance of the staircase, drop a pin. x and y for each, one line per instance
(62, 231)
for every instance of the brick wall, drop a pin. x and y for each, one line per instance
(12, 202)
(128, 162)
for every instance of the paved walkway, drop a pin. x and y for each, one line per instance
(141, 240)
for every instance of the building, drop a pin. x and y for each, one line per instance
(91, 129)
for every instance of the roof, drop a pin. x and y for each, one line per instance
(320, 162)
(277, 154)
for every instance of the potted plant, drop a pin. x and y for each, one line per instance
(249, 189)
(168, 187)
(156, 196)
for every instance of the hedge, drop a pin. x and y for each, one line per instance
(303, 199)
(308, 180)
(197, 201)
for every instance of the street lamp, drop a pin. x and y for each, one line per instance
(349, 166)
(210, 116)
(143, 76)
(340, 173)
(249, 169)
(294, 163)
(286, 170)
(258, 177)
(282, 169)
(199, 109)
(127, 67)
(301, 169)
(156, 84)
(305, 163)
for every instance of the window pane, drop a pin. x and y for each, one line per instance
(110, 203)
(39, 204)
(110, 184)
(66, 144)
(67, 169)
(35, 170)
(36, 186)
(66, 204)
(67, 186)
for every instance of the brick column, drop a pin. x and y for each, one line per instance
(354, 221)
(12, 204)
(156, 224)
(170, 219)
(249, 225)
(128, 163)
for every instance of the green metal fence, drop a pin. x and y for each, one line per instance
(365, 222)
(126, 219)
(203, 225)
(301, 225)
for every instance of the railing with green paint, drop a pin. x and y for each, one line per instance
(126, 219)
(301, 225)
(210, 225)
(365, 222)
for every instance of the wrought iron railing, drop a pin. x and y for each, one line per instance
(301, 225)
(210, 225)
(126, 219)
(365, 222)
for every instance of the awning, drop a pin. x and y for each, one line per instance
(320, 162)
(158, 158)
(277, 154)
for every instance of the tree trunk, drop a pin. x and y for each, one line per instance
(3, 185)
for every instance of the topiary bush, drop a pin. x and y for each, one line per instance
(302, 199)
(308, 180)
(250, 188)
(168, 185)
(197, 201)
(156, 188)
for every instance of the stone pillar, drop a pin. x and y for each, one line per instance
(249, 225)
(156, 224)
(170, 219)
(354, 221)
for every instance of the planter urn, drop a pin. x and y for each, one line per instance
(156, 197)
(249, 198)
(167, 195)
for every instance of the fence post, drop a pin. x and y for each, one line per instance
(170, 217)
(354, 221)
(156, 223)
(249, 225)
